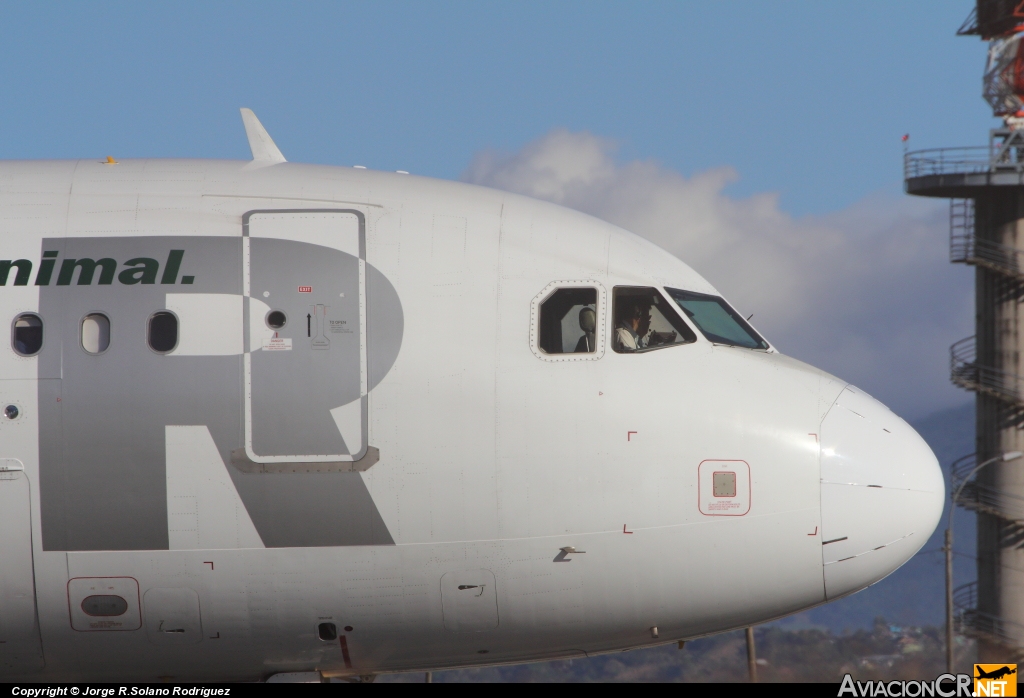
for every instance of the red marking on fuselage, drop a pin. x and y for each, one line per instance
(344, 652)
(629, 435)
(815, 437)
(209, 563)
(625, 531)
(815, 532)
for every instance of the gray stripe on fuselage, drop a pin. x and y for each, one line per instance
(102, 425)
(293, 392)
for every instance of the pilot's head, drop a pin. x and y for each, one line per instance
(636, 314)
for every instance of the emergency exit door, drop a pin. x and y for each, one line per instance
(20, 648)
(305, 354)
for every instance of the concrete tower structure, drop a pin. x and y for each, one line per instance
(985, 186)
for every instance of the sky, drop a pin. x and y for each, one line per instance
(757, 141)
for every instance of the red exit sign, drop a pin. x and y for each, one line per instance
(305, 289)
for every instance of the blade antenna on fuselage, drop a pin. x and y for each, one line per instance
(260, 143)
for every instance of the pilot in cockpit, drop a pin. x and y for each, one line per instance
(633, 324)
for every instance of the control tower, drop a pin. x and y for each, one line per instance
(985, 186)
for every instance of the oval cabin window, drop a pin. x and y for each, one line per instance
(95, 333)
(104, 605)
(163, 332)
(27, 334)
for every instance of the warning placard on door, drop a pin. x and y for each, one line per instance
(277, 344)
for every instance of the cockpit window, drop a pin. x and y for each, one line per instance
(568, 319)
(717, 320)
(644, 321)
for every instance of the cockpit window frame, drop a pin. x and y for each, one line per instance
(600, 328)
(627, 290)
(744, 325)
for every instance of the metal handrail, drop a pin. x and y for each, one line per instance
(984, 626)
(965, 371)
(983, 498)
(960, 469)
(1004, 152)
(970, 249)
(940, 161)
(989, 500)
(965, 596)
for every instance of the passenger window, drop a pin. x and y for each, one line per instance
(95, 333)
(568, 321)
(27, 334)
(645, 321)
(163, 331)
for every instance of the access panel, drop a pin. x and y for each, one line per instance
(305, 355)
(20, 650)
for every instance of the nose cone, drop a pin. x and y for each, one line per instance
(881, 492)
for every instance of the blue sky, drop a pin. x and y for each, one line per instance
(769, 132)
(807, 99)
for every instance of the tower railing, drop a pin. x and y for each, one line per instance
(983, 498)
(968, 620)
(962, 242)
(965, 371)
(966, 248)
(942, 161)
(1004, 152)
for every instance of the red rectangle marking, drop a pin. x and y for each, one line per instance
(305, 289)
(344, 652)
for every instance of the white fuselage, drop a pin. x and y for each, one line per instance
(491, 456)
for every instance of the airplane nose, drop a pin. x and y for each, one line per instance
(882, 492)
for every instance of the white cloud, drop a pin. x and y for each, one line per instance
(866, 293)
